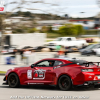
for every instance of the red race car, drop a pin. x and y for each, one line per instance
(61, 72)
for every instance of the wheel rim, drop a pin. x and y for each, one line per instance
(64, 83)
(12, 80)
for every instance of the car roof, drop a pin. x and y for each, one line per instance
(66, 37)
(68, 60)
(59, 59)
(52, 59)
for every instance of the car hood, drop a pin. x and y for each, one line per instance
(85, 50)
(82, 50)
(15, 68)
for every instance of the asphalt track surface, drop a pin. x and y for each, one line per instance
(47, 93)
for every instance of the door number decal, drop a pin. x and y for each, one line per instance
(39, 74)
(29, 74)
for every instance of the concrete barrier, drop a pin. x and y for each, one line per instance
(32, 58)
(42, 55)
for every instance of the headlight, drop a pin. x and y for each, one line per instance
(87, 70)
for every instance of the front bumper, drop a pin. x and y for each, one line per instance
(51, 46)
(6, 82)
(95, 82)
(4, 78)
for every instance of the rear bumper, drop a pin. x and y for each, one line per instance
(96, 82)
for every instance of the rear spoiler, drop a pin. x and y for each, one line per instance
(88, 63)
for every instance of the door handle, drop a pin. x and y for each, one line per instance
(48, 70)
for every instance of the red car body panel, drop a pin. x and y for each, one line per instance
(50, 75)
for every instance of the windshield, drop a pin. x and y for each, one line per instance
(58, 39)
(91, 46)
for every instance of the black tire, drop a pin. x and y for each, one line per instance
(64, 83)
(13, 80)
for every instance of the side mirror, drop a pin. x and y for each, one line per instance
(33, 65)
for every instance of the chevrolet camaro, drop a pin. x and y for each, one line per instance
(61, 72)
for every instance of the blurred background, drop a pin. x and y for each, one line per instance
(34, 25)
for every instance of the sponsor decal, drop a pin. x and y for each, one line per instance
(2, 5)
(29, 74)
(35, 83)
(39, 74)
(57, 67)
(90, 76)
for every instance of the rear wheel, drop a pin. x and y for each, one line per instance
(13, 80)
(64, 83)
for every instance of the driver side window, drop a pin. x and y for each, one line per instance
(68, 39)
(45, 64)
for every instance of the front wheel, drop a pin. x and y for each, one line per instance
(13, 80)
(64, 83)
